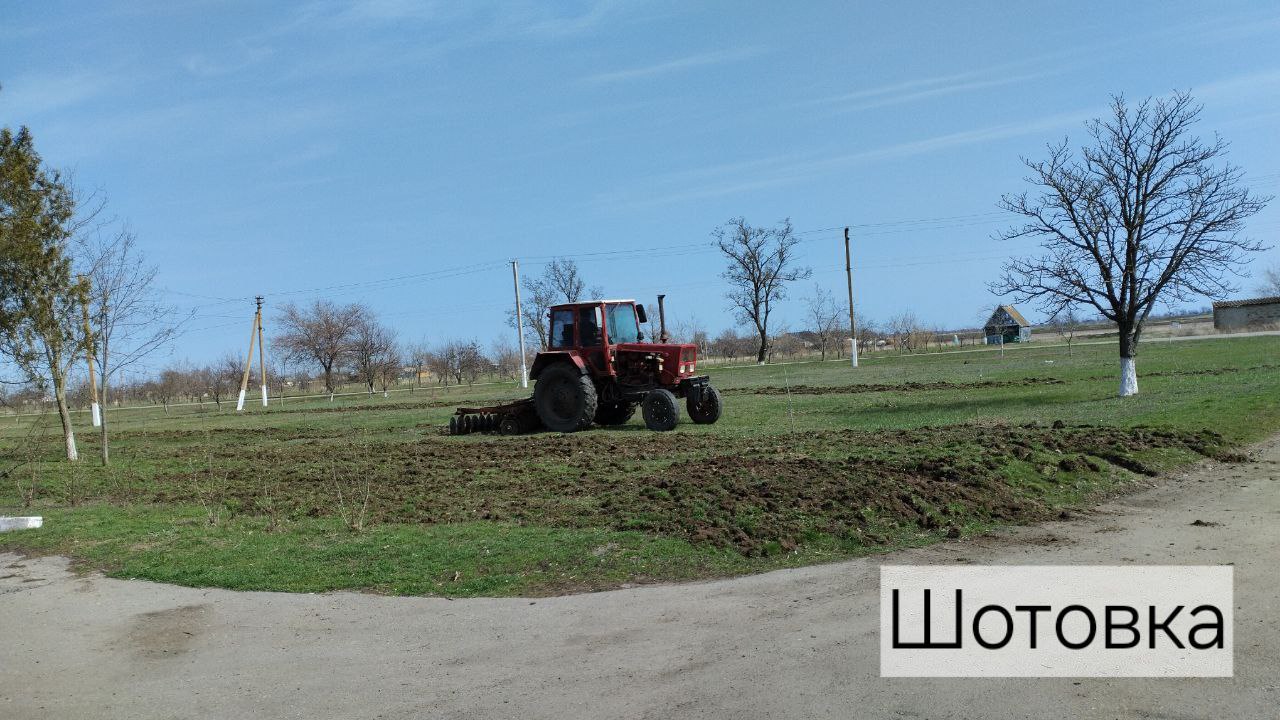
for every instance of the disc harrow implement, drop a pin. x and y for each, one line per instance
(510, 418)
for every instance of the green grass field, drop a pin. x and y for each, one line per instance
(811, 462)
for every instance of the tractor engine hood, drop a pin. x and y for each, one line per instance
(679, 360)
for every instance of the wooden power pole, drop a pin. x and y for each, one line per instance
(515, 277)
(262, 353)
(853, 325)
(254, 333)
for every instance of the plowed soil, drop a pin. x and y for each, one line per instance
(897, 387)
(757, 496)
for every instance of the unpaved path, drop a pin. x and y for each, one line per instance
(799, 643)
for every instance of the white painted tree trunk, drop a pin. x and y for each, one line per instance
(72, 454)
(264, 396)
(1128, 377)
(60, 398)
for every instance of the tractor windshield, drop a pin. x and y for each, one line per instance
(621, 318)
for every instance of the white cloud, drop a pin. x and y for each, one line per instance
(743, 176)
(672, 66)
(951, 88)
(225, 63)
(1247, 87)
(474, 21)
(34, 95)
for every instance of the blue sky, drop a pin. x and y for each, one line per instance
(399, 153)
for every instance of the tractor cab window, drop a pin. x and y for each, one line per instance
(622, 323)
(561, 329)
(589, 326)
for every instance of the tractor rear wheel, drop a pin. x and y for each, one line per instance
(661, 410)
(704, 406)
(565, 399)
(615, 413)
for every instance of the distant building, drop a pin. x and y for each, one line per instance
(1246, 314)
(1007, 325)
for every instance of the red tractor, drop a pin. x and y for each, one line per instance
(598, 368)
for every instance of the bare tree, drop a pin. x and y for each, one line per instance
(1065, 324)
(506, 358)
(1147, 213)
(689, 330)
(918, 338)
(471, 362)
(170, 386)
(761, 263)
(1270, 282)
(904, 328)
(566, 281)
(455, 350)
(727, 344)
(389, 367)
(824, 317)
(442, 361)
(320, 333)
(788, 344)
(373, 348)
(868, 331)
(418, 355)
(224, 376)
(129, 322)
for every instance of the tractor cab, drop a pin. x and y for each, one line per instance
(595, 324)
(603, 338)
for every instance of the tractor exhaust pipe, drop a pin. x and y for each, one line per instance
(662, 321)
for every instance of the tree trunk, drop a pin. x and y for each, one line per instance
(764, 348)
(328, 380)
(106, 451)
(68, 433)
(1128, 367)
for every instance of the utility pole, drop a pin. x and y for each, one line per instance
(515, 277)
(853, 325)
(248, 361)
(262, 352)
(94, 410)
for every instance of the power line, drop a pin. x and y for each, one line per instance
(931, 223)
(870, 229)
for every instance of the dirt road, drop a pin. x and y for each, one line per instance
(797, 643)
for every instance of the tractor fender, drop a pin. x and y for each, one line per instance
(545, 359)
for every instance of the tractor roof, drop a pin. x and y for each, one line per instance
(591, 302)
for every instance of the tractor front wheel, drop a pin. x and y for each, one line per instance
(704, 406)
(661, 410)
(565, 399)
